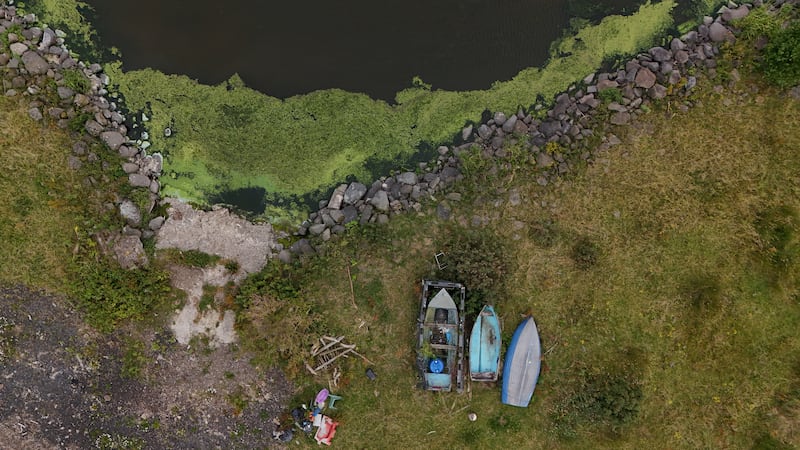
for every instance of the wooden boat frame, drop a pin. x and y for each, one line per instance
(452, 350)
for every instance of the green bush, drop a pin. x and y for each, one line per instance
(191, 258)
(76, 80)
(610, 95)
(585, 253)
(133, 359)
(480, 261)
(607, 396)
(781, 63)
(109, 294)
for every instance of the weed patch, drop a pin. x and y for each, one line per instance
(134, 359)
(585, 253)
(480, 261)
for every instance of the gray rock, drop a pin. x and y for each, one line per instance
(717, 32)
(34, 63)
(729, 15)
(484, 131)
(152, 164)
(336, 215)
(130, 212)
(285, 256)
(620, 118)
(616, 107)
(660, 54)
(499, 118)
(155, 186)
(449, 174)
(380, 201)
(155, 223)
(350, 213)
(48, 39)
(302, 247)
(64, 92)
(407, 178)
(508, 125)
(602, 85)
(657, 92)
(18, 48)
(383, 219)
(514, 198)
(74, 162)
(466, 132)
(645, 78)
(129, 252)
(130, 167)
(79, 148)
(93, 128)
(366, 214)
(128, 152)
(443, 211)
(35, 114)
(795, 93)
(3, 59)
(676, 44)
(681, 56)
(544, 160)
(354, 192)
(139, 180)
(317, 228)
(587, 80)
(337, 197)
(113, 139)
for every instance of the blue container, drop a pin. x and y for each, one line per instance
(436, 365)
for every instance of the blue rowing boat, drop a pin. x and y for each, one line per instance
(522, 365)
(484, 346)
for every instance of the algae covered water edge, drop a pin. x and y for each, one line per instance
(229, 141)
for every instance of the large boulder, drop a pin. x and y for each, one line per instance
(718, 32)
(34, 63)
(354, 192)
(113, 139)
(407, 178)
(130, 212)
(645, 78)
(380, 201)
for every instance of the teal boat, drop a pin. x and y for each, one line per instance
(440, 336)
(484, 346)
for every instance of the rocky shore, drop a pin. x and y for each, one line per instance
(38, 66)
(578, 126)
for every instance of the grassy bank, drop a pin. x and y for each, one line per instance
(665, 282)
(50, 215)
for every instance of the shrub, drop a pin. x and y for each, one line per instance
(191, 258)
(781, 63)
(608, 395)
(109, 294)
(584, 253)
(480, 261)
(76, 80)
(133, 359)
(610, 95)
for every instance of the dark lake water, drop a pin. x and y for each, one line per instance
(285, 48)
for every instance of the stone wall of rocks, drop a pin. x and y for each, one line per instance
(34, 66)
(580, 122)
